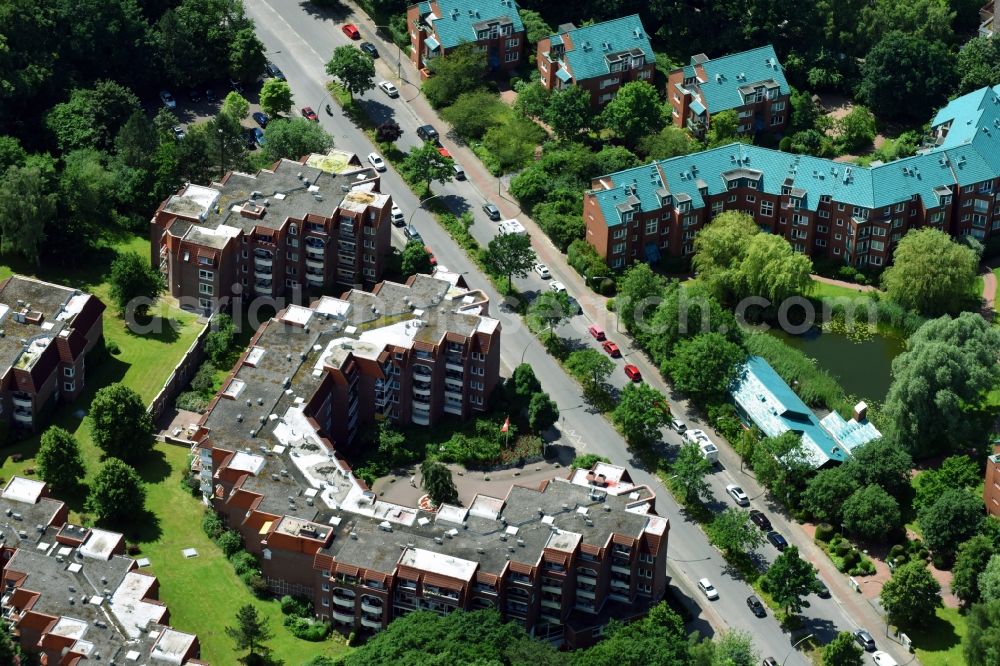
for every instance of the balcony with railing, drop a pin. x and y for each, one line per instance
(23, 415)
(454, 383)
(262, 274)
(371, 622)
(343, 598)
(314, 279)
(372, 605)
(620, 583)
(343, 617)
(421, 418)
(454, 365)
(422, 389)
(22, 399)
(420, 405)
(316, 264)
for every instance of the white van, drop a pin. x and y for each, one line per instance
(709, 450)
(512, 227)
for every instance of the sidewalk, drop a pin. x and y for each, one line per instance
(844, 283)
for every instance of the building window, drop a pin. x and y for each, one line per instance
(69, 372)
(187, 256)
(777, 106)
(293, 230)
(205, 289)
(618, 248)
(619, 233)
(205, 303)
(767, 208)
(292, 256)
(69, 387)
(244, 254)
(651, 226)
(841, 206)
(513, 43)
(777, 120)
(511, 56)
(751, 198)
(205, 275)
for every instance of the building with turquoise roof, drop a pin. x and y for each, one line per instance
(822, 207)
(752, 84)
(600, 58)
(763, 399)
(439, 26)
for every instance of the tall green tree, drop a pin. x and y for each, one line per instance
(911, 596)
(119, 423)
(416, 259)
(535, 27)
(27, 207)
(464, 70)
(789, 580)
(353, 68)
(436, 480)
(855, 130)
(989, 580)
(221, 339)
(931, 273)
(59, 461)
(635, 111)
(197, 36)
(543, 412)
(973, 556)
(235, 106)
(246, 55)
(591, 368)
(87, 191)
(92, 116)
(723, 128)
(704, 366)
(882, 463)
(569, 112)
(871, 514)
(524, 382)
(513, 143)
(689, 470)
(906, 67)
(134, 283)
(659, 638)
(954, 472)
(276, 98)
(116, 493)
(981, 643)
(954, 517)
(548, 311)
(250, 632)
(668, 142)
(781, 465)
(425, 165)
(510, 255)
(639, 414)
(473, 113)
(827, 492)
(719, 248)
(772, 269)
(978, 64)
(732, 532)
(843, 651)
(295, 138)
(640, 290)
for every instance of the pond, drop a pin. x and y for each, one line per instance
(861, 367)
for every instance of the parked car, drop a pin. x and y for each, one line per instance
(596, 331)
(822, 591)
(705, 585)
(431, 256)
(543, 271)
(194, 95)
(179, 132)
(760, 520)
(632, 372)
(258, 136)
(427, 133)
(168, 99)
(770, 661)
(756, 607)
(261, 118)
(491, 211)
(273, 71)
(376, 161)
(443, 152)
(209, 94)
(557, 287)
(411, 233)
(884, 659)
(309, 114)
(777, 540)
(459, 171)
(369, 48)
(396, 215)
(708, 449)
(865, 640)
(679, 426)
(388, 89)
(738, 495)
(351, 31)
(612, 349)
(512, 227)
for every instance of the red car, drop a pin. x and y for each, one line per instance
(433, 259)
(596, 331)
(612, 349)
(443, 151)
(309, 114)
(351, 31)
(633, 373)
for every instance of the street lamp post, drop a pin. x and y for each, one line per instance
(222, 155)
(399, 53)
(419, 206)
(795, 645)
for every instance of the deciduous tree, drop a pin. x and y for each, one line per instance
(855, 130)
(911, 596)
(843, 651)
(569, 112)
(640, 291)
(134, 283)
(871, 514)
(548, 311)
(235, 106)
(92, 116)
(119, 423)
(246, 55)
(425, 164)
(904, 66)
(981, 643)
(473, 113)
(704, 366)
(882, 463)
(276, 99)
(524, 382)
(416, 259)
(960, 472)
(436, 480)
(972, 558)
(930, 272)
(542, 412)
(719, 249)
(353, 68)
(592, 369)
(789, 580)
(510, 255)
(294, 138)
(954, 517)
(464, 70)
(826, 493)
(689, 470)
(639, 415)
(780, 464)
(27, 207)
(535, 27)
(978, 64)
(116, 493)
(732, 532)
(668, 142)
(634, 112)
(59, 461)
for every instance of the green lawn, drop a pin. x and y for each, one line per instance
(941, 643)
(822, 290)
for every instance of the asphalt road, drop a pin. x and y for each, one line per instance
(300, 39)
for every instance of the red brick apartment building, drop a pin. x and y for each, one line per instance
(823, 208)
(297, 226)
(751, 83)
(71, 595)
(439, 26)
(562, 558)
(600, 58)
(46, 331)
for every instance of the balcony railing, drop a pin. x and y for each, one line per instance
(586, 594)
(22, 400)
(371, 623)
(343, 617)
(262, 275)
(423, 391)
(586, 580)
(618, 568)
(343, 602)
(263, 261)
(371, 608)
(620, 584)
(314, 279)
(314, 263)
(454, 367)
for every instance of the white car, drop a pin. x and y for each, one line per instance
(396, 215)
(388, 89)
(376, 161)
(543, 271)
(557, 287)
(168, 100)
(738, 495)
(883, 658)
(705, 585)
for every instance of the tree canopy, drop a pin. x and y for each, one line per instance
(425, 164)
(116, 493)
(251, 631)
(843, 651)
(276, 99)
(637, 416)
(732, 532)
(931, 273)
(510, 255)
(635, 111)
(464, 70)
(134, 283)
(981, 643)
(436, 480)
(119, 422)
(826, 493)
(954, 517)
(911, 596)
(789, 580)
(872, 514)
(353, 68)
(882, 463)
(905, 76)
(973, 556)
(59, 461)
(704, 366)
(416, 259)
(689, 470)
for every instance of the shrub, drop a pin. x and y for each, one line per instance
(191, 401)
(587, 461)
(243, 562)
(190, 483)
(851, 559)
(824, 532)
(297, 606)
(204, 379)
(308, 629)
(230, 542)
(212, 524)
(112, 347)
(842, 548)
(352, 638)
(132, 548)
(897, 550)
(257, 585)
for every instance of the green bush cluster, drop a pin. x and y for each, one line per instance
(844, 555)
(307, 628)
(229, 541)
(816, 387)
(824, 532)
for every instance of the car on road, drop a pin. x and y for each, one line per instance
(209, 95)
(443, 152)
(769, 661)
(758, 518)
(194, 95)
(459, 171)
(309, 114)
(430, 256)
(705, 585)
(633, 373)
(396, 215)
(369, 48)
(428, 133)
(351, 31)
(388, 89)
(543, 271)
(273, 71)
(778, 541)
(258, 136)
(179, 132)
(411, 233)
(738, 495)
(260, 118)
(168, 99)
(679, 426)
(491, 211)
(557, 287)
(756, 607)
(884, 659)
(708, 449)
(596, 331)
(822, 591)
(865, 640)
(376, 161)
(574, 306)
(612, 349)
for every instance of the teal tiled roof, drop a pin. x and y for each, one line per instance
(726, 75)
(458, 18)
(976, 160)
(587, 58)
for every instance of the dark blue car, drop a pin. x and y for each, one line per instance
(261, 118)
(258, 135)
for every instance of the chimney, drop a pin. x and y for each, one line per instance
(861, 409)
